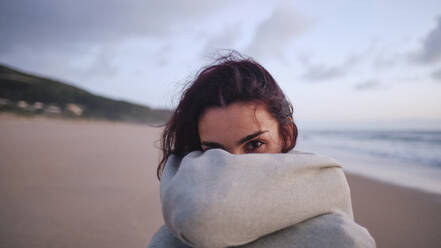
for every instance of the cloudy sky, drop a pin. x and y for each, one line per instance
(338, 61)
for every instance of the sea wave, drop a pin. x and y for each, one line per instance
(422, 147)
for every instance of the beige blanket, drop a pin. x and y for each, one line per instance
(216, 199)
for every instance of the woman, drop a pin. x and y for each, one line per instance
(230, 176)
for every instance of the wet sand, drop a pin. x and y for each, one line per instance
(93, 184)
(396, 216)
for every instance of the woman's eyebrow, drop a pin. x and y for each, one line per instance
(212, 144)
(251, 136)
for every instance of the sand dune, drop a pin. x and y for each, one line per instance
(93, 184)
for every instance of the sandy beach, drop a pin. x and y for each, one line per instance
(66, 183)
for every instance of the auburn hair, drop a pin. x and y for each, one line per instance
(231, 79)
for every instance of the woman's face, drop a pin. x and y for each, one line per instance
(240, 128)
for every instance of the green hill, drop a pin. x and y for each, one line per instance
(29, 94)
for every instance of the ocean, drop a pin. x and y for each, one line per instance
(409, 158)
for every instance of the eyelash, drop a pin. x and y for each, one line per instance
(260, 142)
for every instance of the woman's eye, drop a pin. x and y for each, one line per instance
(253, 145)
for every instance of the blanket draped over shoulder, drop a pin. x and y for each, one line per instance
(295, 199)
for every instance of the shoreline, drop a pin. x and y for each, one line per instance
(396, 216)
(12, 116)
(393, 184)
(65, 183)
(403, 174)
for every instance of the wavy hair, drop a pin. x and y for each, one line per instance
(231, 79)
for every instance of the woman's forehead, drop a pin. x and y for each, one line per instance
(235, 120)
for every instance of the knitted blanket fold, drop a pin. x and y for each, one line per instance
(216, 199)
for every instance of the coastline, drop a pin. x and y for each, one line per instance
(396, 216)
(67, 183)
(400, 173)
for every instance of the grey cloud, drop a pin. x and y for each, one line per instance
(226, 39)
(384, 56)
(102, 65)
(354, 59)
(49, 23)
(430, 51)
(321, 72)
(163, 55)
(368, 85)
(437, 74)
(275, 33)
(383, 62)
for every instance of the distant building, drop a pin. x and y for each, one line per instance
(52, 109)
(38, 106)
(22, 104)
(77, 110)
